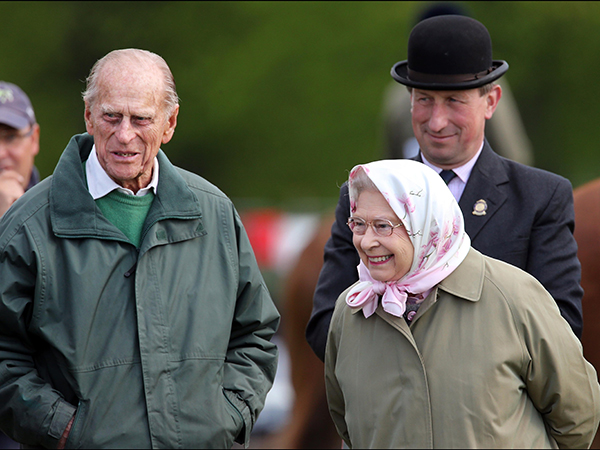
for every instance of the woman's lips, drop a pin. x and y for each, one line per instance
(376, 260)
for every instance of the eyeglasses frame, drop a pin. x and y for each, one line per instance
(371, 222)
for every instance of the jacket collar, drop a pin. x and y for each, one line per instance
(465, 282)
(73, 212)
(467, 279)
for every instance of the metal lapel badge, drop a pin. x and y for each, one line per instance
(480, 208)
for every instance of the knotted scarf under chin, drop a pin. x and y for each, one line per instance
(365, 294)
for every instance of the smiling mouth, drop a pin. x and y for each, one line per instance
(379, 259)
(126, 155)
(440, 136)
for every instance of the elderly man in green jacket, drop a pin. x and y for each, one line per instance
(132, 310)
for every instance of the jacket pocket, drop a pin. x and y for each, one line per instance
(74, 438)
(236, 406)
(62, 415)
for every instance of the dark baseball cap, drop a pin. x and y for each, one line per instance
(15, 108)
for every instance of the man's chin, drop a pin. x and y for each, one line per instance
(439, 154)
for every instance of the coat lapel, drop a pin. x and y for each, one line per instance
(482, 192)
(76, 214)
(483, 196)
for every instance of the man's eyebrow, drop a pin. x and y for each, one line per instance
(107, 109)
(143, 114)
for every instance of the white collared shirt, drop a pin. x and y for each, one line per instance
(458, 183)
(100, 184)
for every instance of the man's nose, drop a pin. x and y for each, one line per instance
(439, 118)
(125, 132)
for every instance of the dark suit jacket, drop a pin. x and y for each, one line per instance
(529, 223)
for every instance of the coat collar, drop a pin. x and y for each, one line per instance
(467, 279)
(73, 212)
(465, 282)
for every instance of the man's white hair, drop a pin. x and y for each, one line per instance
(171, 100)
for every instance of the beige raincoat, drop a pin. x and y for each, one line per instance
(488, 362)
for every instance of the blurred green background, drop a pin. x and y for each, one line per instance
(280, 99)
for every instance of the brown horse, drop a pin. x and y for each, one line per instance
(587, 234)
(310, 425)
(296, 270)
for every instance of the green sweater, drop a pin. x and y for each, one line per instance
(126, 212)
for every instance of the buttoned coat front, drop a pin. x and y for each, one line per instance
(488, 362)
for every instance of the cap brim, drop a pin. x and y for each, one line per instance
(12, 119)
(400, 69)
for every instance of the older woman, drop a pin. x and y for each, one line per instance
(439, 346)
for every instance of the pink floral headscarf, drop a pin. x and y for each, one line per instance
(435, 226)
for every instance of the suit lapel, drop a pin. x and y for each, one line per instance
(482, 196)
(482, 192)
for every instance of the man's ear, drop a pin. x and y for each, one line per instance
(35, 147)
(171, 124)
(87, 117)
(492, 100)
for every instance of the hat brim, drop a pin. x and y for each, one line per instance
(13, 120)
(400, 69)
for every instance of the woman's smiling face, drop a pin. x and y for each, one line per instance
(387, 258)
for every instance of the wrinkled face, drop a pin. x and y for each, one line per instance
(449, 125)
(18, 149)
(387, 258)
(128, 122)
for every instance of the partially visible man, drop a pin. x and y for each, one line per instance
(519, 214)
(19, 144)
(132, 310)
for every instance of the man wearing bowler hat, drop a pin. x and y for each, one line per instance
(515, 213)
(19, 143)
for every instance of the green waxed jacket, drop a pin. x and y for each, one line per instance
(165, 347)
(487, 362)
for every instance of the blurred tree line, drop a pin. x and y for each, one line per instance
(280, 99)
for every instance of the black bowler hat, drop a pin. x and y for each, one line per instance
(449, 52)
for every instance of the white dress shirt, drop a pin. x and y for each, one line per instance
(458, 183)
(100, 184)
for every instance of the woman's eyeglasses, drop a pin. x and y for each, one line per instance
(381, 227)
